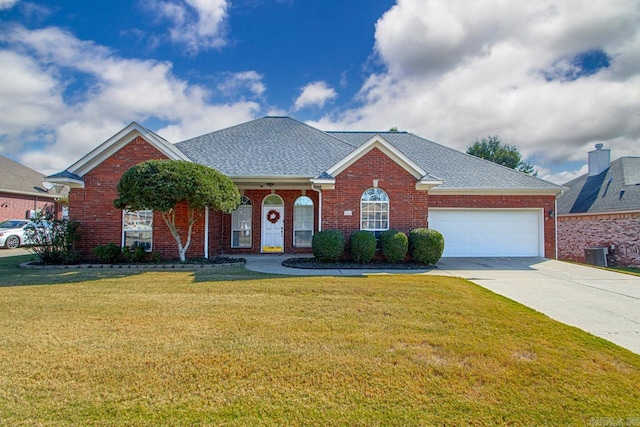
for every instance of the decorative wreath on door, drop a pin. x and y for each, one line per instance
(273, 216)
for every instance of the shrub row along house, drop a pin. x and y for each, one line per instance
(296, 180)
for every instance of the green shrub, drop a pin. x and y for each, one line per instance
(395, 245)
(53, 240)
(426, 245)
(134, 254)
(328, 245)
(109, 253)
(363, 246)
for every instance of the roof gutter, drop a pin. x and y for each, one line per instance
(497, 191)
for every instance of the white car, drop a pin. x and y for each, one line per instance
(12, 232)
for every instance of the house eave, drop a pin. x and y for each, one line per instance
(428, 184)
(117, 142)
(280, 182)
(621, 212)
(495, 191)
(30, 193)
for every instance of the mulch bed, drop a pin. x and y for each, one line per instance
(312, 263)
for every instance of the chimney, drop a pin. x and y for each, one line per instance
(599, 160)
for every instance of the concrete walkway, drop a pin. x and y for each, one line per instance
(604, 303)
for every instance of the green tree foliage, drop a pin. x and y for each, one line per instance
(494, 150)
(160, 185)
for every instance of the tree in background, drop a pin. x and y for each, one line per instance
(494, 150)
(160, 185)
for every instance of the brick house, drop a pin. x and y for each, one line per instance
(602, 209)
(22, 192)
(296, 180)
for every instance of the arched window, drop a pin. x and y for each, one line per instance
(302, 222)
(374, 210)
(241, 220)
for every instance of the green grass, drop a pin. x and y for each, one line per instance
(231, 347)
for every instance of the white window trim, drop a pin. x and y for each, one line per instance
(124, 230)
(303, 229)
(362, 202)
(250, 228)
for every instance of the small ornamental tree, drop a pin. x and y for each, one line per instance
(160, 185)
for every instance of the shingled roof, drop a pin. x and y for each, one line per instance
(16, 178)
(617, 189)
(458, 170)
(270, 146)
(282, 146)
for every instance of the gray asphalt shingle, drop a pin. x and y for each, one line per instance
(616, 189)
(18, 178)
(281, 146)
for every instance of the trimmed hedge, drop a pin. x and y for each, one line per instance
(363, 246)
(328, 245)
(395, 245)
(426, 245)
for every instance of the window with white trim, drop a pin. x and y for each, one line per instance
(137, 229)
(302, 222)
(374, 210)
(241, 224)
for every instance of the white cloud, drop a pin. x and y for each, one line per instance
(198, 24)
(7, 4)
(561, 177)
(315, 93)
(41, 112)
(235, 82)
(459, 70)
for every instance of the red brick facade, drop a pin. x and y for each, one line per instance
(101, 223)
(620, 232)
(17, 206)
(221, 233)
(407, 206)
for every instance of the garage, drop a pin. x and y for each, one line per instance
(489, 232)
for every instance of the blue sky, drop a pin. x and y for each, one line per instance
(550, 77)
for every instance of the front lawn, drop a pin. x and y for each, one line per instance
(230, 347)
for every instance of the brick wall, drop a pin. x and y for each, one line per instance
(407, 206)
(577, 232)
(15, 206)
(521, 201)
(223, 243)
(101, 223)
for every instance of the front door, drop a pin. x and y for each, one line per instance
(273, 225)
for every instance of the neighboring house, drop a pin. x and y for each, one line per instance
(602, 209)
(23, 192)
(297, 180)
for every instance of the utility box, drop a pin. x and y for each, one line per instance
(596, 256)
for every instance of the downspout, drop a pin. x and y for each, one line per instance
(313, 187)
(206, 232)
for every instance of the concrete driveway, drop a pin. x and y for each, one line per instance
(13, 252)
(601, 302)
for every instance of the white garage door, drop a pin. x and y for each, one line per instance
(488, 232)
